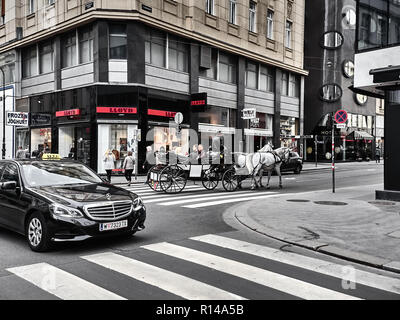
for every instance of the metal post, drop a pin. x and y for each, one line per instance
(3, 151)
(333, 155)
(316, 151)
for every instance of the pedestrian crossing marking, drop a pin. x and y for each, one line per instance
(194, 196)
(297, 260)
(214, 203)
(177, 284)
(61, 283)
(267, 278)
(215, 196)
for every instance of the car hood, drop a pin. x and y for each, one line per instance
(77, 195)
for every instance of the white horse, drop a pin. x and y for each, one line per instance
(269, 160)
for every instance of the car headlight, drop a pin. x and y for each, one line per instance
(62, 211)
(137, 203)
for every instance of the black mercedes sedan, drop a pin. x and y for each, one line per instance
(49, 201)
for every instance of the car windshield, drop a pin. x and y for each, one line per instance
(44, 174)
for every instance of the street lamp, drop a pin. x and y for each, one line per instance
(3, 150)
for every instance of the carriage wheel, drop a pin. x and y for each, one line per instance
(153, 184)
(230, 180)
(210, 179)
(173, 179)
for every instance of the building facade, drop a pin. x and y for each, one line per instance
(377, 74)
(99, 75)
(329, 57)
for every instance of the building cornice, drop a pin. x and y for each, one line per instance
(136, 16)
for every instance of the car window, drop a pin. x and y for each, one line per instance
(10, 173)
(2, 165)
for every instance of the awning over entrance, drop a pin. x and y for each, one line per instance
(361, 135)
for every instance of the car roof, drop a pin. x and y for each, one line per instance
(27, 161)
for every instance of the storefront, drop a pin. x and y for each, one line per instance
(259, 133)
(290, 130)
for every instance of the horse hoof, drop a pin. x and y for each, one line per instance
(267, 187)
(280, 187)
(253, 188)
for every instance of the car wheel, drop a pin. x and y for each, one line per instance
(37, 233)
(297, 170)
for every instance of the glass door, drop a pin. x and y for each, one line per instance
(83, 145)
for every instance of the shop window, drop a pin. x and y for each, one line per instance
(332, 40)
(46, 57)
(29, 62)
(40, 140)
(252, 16)
(118, 41)
(69, 50)
(251, 75)
(177, 54)
(155, 46)
(348, 68)
(118, 138)
(227, 68)
(330, 92)
(86, 37)
(266, 79)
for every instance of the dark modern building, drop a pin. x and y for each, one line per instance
(329, 50)
(377, 74)
(112, 75)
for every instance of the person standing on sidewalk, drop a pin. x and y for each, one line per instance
(377, 155)
(128, 166)
(109, 164)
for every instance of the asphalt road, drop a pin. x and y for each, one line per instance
(188, 250)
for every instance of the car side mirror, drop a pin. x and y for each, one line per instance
(9, 185)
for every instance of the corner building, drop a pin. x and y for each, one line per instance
(99, 75)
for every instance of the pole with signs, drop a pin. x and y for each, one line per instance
(340, 119)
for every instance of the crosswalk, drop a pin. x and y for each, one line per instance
(196, 196)
(207, 267)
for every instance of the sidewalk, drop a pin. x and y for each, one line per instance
(349, 224)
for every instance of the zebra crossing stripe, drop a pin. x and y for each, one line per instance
(172, 282)
(312, 264)
(264, 277)
(192, 196)
(62, 284)
(212, 197)
(218, 202)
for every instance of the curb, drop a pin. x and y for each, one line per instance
(380, 263)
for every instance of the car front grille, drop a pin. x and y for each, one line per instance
(108, 211)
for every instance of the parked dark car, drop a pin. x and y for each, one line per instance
(49, 201)
(294, 164)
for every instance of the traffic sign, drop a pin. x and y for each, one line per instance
(178, 118)
(341, 116)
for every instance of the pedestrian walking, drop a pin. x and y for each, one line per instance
(128, 166)
(20, 153)
(109, 163)
(377, 155)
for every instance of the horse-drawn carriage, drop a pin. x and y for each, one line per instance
(171, 176)
(172, 171)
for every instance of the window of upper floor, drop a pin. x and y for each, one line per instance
(31, 6)
(29, 62)
(86, 39)
(2, 11)
(68, 50)
(210, 7)
(290, 85)
(252, 16)
(259, 77)
(270, 24)
(288, 34)
(232, 11)
(118, 41)
(222, 66)
(46, 57)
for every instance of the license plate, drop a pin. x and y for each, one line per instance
(113, 225)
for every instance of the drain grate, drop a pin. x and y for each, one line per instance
(331, 203)
(298, 200)
(383, 203)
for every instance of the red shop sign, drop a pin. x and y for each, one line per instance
(68, 113)
(198, 103)
(161, 113)
(117, 110)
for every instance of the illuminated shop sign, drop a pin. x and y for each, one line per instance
(161, 113)
(116, 110)
(198, 100)
(68, 113)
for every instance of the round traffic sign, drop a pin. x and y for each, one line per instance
(178, 118)
(341, 116)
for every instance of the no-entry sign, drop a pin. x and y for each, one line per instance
(341, 116)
